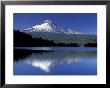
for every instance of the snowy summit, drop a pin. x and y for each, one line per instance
(49, 26)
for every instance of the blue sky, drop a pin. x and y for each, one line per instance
(80, 22)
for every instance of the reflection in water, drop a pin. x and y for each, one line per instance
(46, 60)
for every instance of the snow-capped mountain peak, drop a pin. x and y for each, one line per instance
(43, 27)
(48, 21)
(46, 26)
(49, 26)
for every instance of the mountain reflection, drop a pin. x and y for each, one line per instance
(47, 59)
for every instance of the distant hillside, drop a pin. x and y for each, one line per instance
(65, 38)
(23, 39)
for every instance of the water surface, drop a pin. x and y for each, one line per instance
(55, 61)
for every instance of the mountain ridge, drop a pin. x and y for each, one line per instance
(49, 26)
(47, 31)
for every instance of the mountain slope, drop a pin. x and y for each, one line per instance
(49, 31)
(49, 26)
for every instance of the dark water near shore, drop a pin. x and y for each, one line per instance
(55, 61)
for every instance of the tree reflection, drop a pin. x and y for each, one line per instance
(47, 59)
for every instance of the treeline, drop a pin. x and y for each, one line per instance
(90, 45)
(22, 39)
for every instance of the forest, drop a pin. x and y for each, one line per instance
(22, 39)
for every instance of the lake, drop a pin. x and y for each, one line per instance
(55, 61)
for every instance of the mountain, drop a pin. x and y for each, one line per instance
(48, 30)
(49, 26)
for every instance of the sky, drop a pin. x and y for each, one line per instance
(80, 22)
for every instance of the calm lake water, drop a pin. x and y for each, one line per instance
(55, 61)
